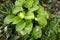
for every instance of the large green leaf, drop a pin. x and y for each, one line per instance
(37, 32)
(8, 19)
(29, 15)
(20, 26)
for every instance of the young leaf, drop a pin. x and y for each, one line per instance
(37, 32)
(28, 3)
(21, 15)
(8, 19)
(29, 15)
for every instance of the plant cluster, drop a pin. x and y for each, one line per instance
(29, 20)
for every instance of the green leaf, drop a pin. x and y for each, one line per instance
(20, 26)
(18, 6)
(29, 15)
(8, 19)
(37, 32)
(27, 28)
(34, 8)
(17, 9)
(28, 3)
(31, 39)
(19, 3)
(16, 20)
(42, 21)
(42, 16)
(42, 13)
(21, 15)
(46, 14)
(23, 32)
(59, 30)
(25, 37)
(36, 2)
(40, 8)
